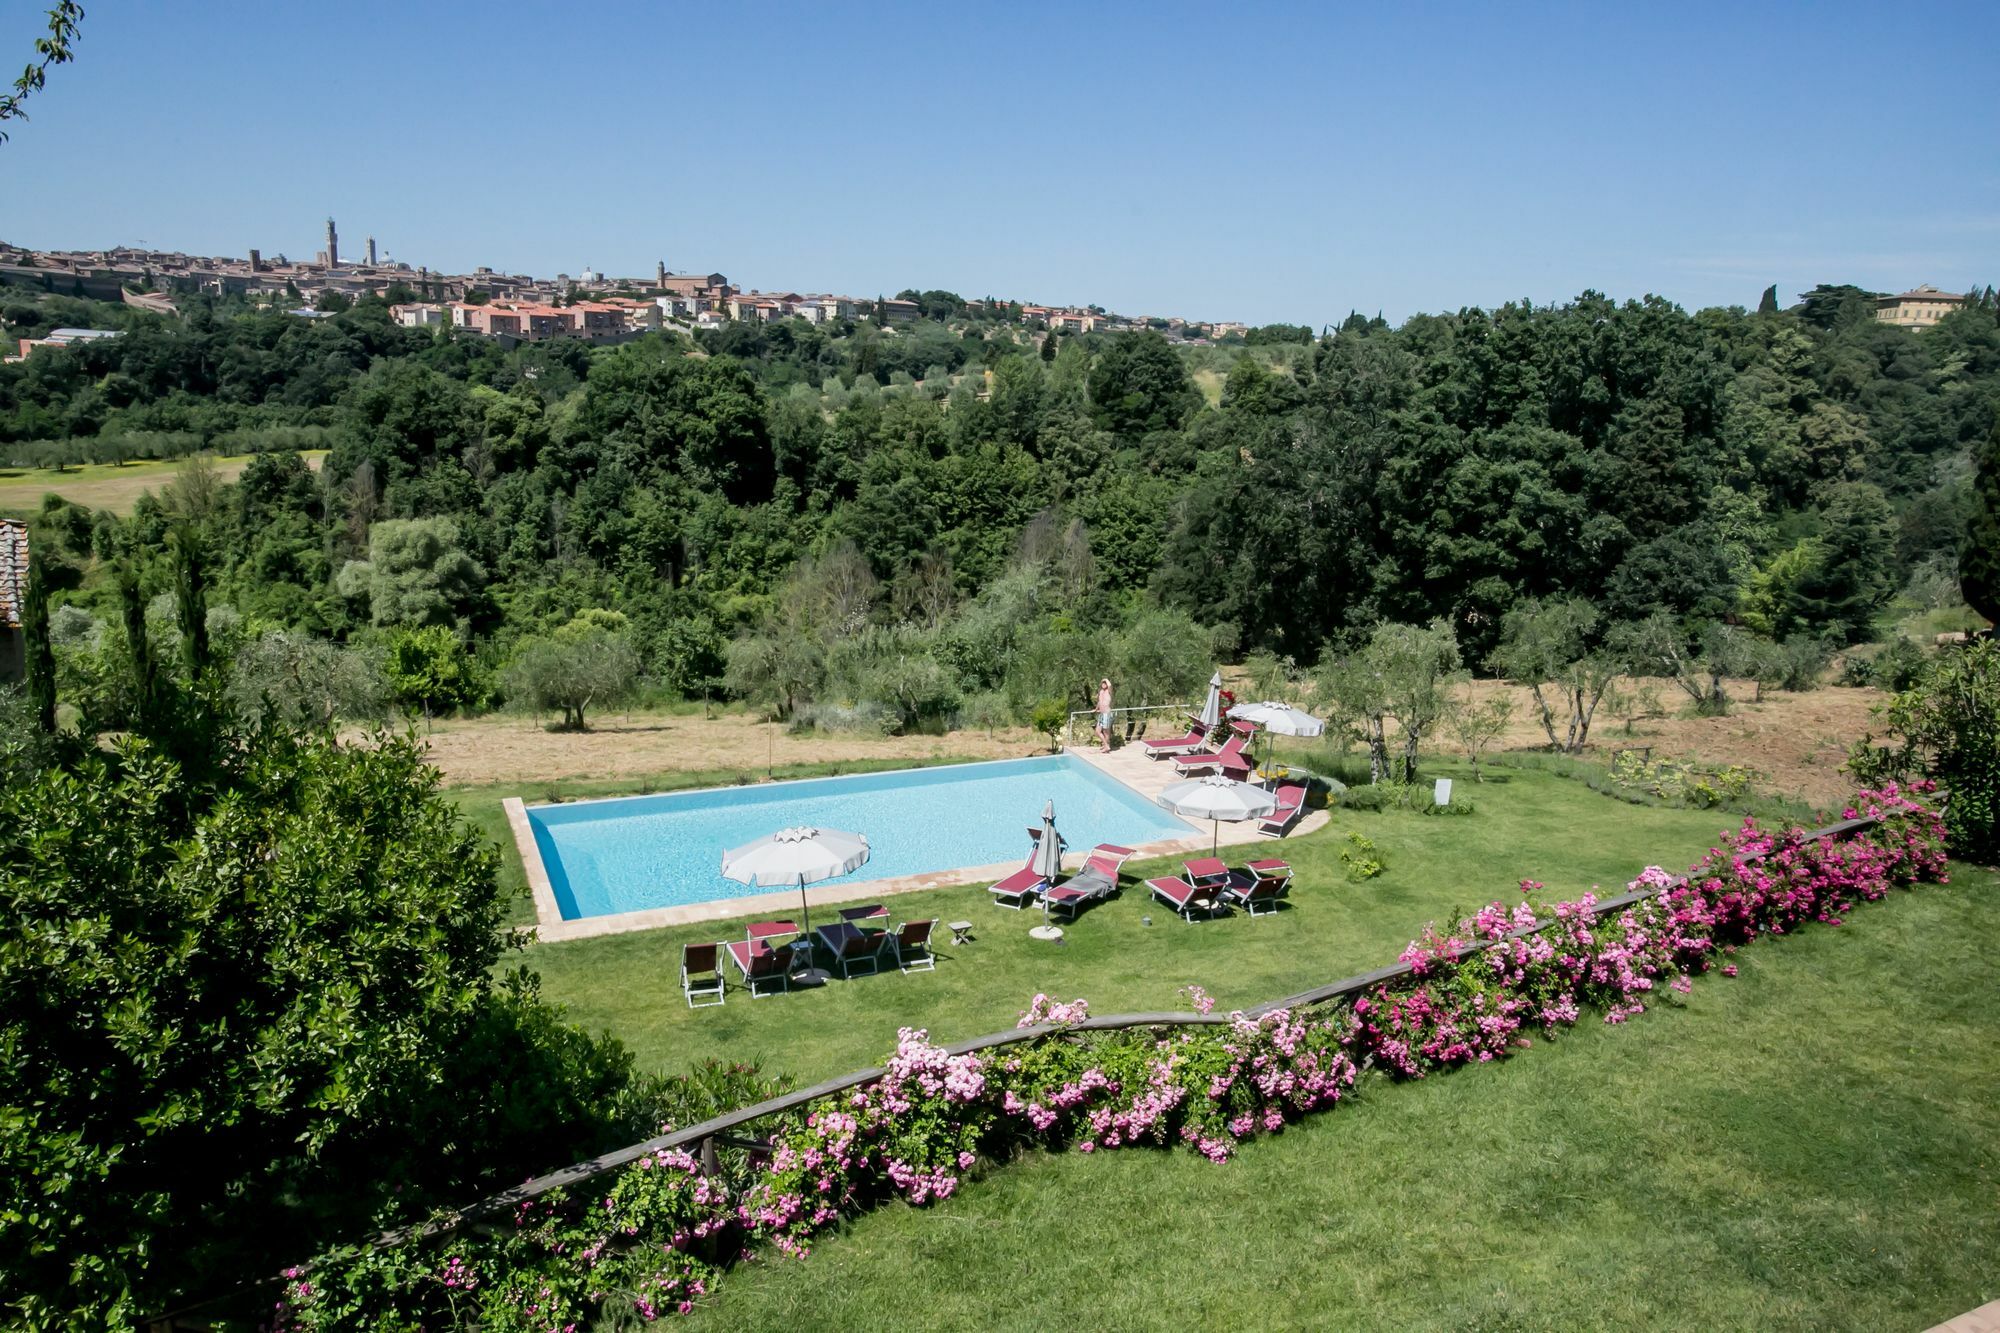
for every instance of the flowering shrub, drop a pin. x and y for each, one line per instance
(1476, 990)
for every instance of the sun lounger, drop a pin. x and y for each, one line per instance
(1185, 897)
(1022, 886)
(1258, 892)
(1270, 866)
(701, 974)
(910, 944)
(1228, 758)
(1208, 871)
(1097, 881)
(877, 912)
(1195, 739)
(849, 945)
(761, 965)
(770, 932)
(1291, 804)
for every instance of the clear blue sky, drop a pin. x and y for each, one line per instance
(1269, 163)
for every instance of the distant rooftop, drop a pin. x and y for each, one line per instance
(1925, 292)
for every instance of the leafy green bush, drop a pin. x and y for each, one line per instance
(1947, 727)
(1360, 859)
(244, 1018)
(1050, 717)
(1681, 783)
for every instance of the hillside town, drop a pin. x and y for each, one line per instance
(514, 306)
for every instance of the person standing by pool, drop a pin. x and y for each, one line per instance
(1104, 713)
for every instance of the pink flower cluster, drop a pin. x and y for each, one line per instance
(1536, 970)
(1042, 1009)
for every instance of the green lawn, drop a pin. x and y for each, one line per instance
(1812, 1145)
(1527, 824)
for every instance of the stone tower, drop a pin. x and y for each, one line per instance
(661, 280)
(371, 252)
(332, 245)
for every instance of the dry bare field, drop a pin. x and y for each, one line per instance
(1795, 742)
(516, 750)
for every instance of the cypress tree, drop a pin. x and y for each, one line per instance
(145, 684)
(191, 599)
(1769, 305)
(1979, 558)
(41, 654)
(1049, 346)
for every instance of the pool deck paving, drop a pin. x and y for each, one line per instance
(1128, 765)
(1985, 1319)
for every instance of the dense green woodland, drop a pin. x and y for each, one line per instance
(899, 527)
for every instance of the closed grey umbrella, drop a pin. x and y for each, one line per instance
(797, 855)
(1048, 848)
(1211, 707)
(1217, 798)
(1047, 861)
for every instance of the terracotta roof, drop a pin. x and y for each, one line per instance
(13, 571)
(1924, 293)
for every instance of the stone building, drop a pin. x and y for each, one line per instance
(1918, 308)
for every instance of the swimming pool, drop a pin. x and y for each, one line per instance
(638, 852)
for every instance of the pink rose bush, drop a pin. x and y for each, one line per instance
(655, 1240)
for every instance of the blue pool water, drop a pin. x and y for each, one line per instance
(638, 852)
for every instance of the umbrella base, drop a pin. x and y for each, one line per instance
(811, 976)
(1046, 933)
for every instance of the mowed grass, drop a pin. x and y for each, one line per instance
(107, 485)
(1531, 825)
(1814, 1144)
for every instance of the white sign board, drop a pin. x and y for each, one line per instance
(1442, 795)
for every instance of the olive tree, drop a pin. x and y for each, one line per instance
(588, 663)
(1547, 646)
(1417, 666)
(1699, 659)
(297, 680)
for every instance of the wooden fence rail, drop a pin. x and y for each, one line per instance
(697, 1136)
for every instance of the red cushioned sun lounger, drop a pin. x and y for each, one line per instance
(761, 965)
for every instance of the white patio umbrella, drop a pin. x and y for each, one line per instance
(1217, 798)
(797, 855)
(1279, 719)
(1211, 708)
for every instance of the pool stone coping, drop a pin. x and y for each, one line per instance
(550, 927)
